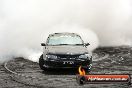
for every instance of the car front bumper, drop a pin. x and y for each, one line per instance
(67, 64)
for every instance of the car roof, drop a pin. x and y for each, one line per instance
(65, 33)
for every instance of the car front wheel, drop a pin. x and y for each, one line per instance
(87, 69)
(41, 63)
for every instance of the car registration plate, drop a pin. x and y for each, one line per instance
(68, 62)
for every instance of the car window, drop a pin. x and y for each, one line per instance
(64, 39)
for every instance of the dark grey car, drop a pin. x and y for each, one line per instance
(65, 50)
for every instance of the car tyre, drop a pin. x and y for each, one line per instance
(87, 70)
(41, 63)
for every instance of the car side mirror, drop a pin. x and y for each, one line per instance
(86, 44)
(43, 44)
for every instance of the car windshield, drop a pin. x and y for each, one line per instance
(64, 40)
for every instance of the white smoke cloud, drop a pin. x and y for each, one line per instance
(24, 24)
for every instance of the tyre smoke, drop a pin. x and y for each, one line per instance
(24, 24)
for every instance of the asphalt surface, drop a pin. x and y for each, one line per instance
(27, 74)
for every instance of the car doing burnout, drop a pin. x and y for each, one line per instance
(65, 50)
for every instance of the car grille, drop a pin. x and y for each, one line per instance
(67, 56)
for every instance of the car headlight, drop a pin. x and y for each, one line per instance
(51, 56)
(85, 56)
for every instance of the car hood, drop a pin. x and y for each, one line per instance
(69, 50)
